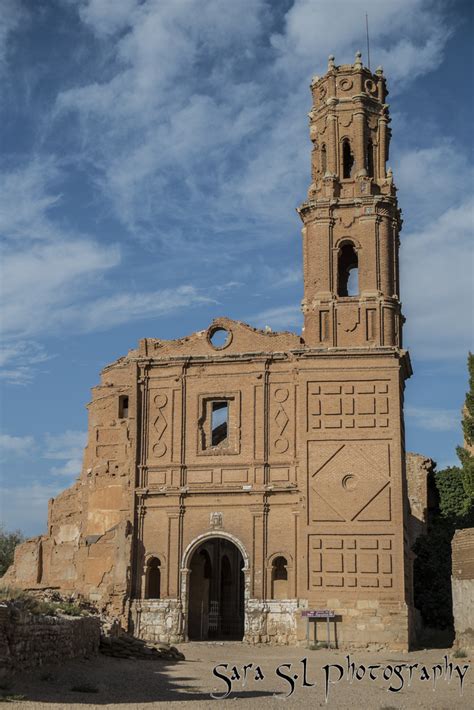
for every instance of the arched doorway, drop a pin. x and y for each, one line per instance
(216, 592)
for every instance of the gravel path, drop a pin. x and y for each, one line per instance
(124, 684)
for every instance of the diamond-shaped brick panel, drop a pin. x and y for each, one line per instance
(348, 476)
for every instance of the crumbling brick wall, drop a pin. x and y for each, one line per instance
(463, 587)
(419, 469)
(28, 640)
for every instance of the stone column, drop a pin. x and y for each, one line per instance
(385, 255)
(173, 553)
(331, 147)
(359, 138)
(395, 247)
(258, 561)
(382, 153)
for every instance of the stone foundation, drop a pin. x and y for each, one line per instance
(268, 621)
(271, 621)
(157, 620)
(366, 623)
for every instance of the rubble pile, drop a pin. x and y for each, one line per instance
(126, 646)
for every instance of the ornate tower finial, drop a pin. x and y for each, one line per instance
(358, 60)
(331, 59)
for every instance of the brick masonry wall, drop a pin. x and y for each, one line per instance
(363, 624)
(28, 641)
(463, 587)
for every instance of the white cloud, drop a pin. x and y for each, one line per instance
(407, 36)
(109, 312)
(13, 13)
(437, 264)
(16, 445)
(53, 278)
(287, 276)
(278, 318)
(39, 282)
(66, 447)
(68, 444)
(188, 131)
(195, 113)
(437, 255)
(107, 16)
(26, 507)
(46, 292)
(429, 180)
(19, 361)
(168, 111)
(45, 266)
(159, 144)
(434, 419)
(71, 468)
(27, 195)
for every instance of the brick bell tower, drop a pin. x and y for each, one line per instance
(359, 559)
(351, 218)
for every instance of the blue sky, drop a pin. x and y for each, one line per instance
(152, 156)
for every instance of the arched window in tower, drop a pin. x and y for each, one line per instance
(347, 271)
(279, 578)
(370, 159)
(324, 159)
(347, 159)
(153, 578)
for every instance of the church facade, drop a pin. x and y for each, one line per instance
(236, 478)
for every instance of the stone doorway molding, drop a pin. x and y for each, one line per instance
(185, 573)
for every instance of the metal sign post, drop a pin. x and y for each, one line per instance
(314, 615)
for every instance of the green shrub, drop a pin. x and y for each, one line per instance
(71, 609)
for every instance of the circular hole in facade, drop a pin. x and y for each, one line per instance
(349, 482)
(219, 337)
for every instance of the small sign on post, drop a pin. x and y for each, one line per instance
(314, 615)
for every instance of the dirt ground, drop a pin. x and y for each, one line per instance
(104, 682)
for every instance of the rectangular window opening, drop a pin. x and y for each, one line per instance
(123, 407)
(219, 422)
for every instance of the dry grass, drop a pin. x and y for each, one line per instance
(28, 602)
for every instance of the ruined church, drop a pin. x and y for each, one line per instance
(236, 478)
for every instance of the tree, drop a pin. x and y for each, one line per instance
(453, 502)
(8, 542)
(465, 453)
(468, 419)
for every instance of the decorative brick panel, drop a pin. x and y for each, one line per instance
(351, 561)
